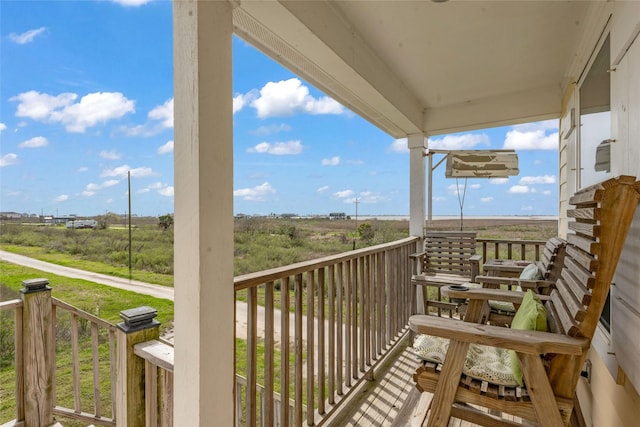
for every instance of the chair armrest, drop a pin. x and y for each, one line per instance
(417, 254)
(487, 294)
(532, 342)
(534, 285)
(474, 264)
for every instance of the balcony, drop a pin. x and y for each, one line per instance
(326, 344)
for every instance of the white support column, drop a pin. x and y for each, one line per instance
(417, 175)
(203, 177)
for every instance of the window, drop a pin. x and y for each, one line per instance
(595, 121)
(594, 160)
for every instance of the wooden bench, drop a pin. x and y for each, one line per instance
(449, 258)
(602, 216)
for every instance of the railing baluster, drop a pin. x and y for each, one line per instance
(252, 336)
(19, 342)
(297, 296)
(339, 328)
(331, 291)
(310, 346)
(96, 370)
(112, 364)
(151, 394)
(354, 318)
(267, 404)
(53, 355)
(361, 304)
(76, 363)
(321, 342)
(347, 322)
(380, 300)
(285, 347)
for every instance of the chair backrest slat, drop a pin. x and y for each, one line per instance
(602, 216)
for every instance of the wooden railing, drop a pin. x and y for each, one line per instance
(338, 316)
(88, 334)
(41, 325)
(17, 305)
(510, 249)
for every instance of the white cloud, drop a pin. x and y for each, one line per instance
(242, 100)
(271, 129)
(87, 193)
(498, 181)
(551, 124)
(322, 189)
(163, 113)
(8, 159)
(530, 140)
(475, 186)
(161, 188)
(455, 189)
(257, 193)
(459, 142)
(166, 191)
(35, 142)
(131, 3)
(519, 189)
(61, 198)
(399, 146)
(2, 127)
(544, 179)
(83, 169)
(333, 161)
(92, 188)
(166, 148)
(486, 199)
(367, 197)
(121, 172)
(278, 148)
(547, 192)
(344, 194)
(288, 97)
(110, 155)
(93, 108)
(27, 36)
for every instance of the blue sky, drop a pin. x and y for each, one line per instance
(86, 95)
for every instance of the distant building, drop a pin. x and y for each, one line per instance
(10, 215)
(337, 215)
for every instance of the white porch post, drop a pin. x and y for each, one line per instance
(203, 177)
(417, 177)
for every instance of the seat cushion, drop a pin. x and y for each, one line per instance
(531, 272)
(484, 363)
(531, 316)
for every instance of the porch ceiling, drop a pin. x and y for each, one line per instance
(411, 67)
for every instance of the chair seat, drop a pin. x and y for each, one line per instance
(484, 363)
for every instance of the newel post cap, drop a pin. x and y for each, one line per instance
(138, 319)
(35, 285)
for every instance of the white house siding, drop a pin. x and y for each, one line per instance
(612, 396)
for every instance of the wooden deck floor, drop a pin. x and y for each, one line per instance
(392, 399)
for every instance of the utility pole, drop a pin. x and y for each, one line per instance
(356, 232)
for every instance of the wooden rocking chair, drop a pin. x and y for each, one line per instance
(602, 215)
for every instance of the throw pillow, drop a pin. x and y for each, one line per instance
(531, 316)
(531, 272)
